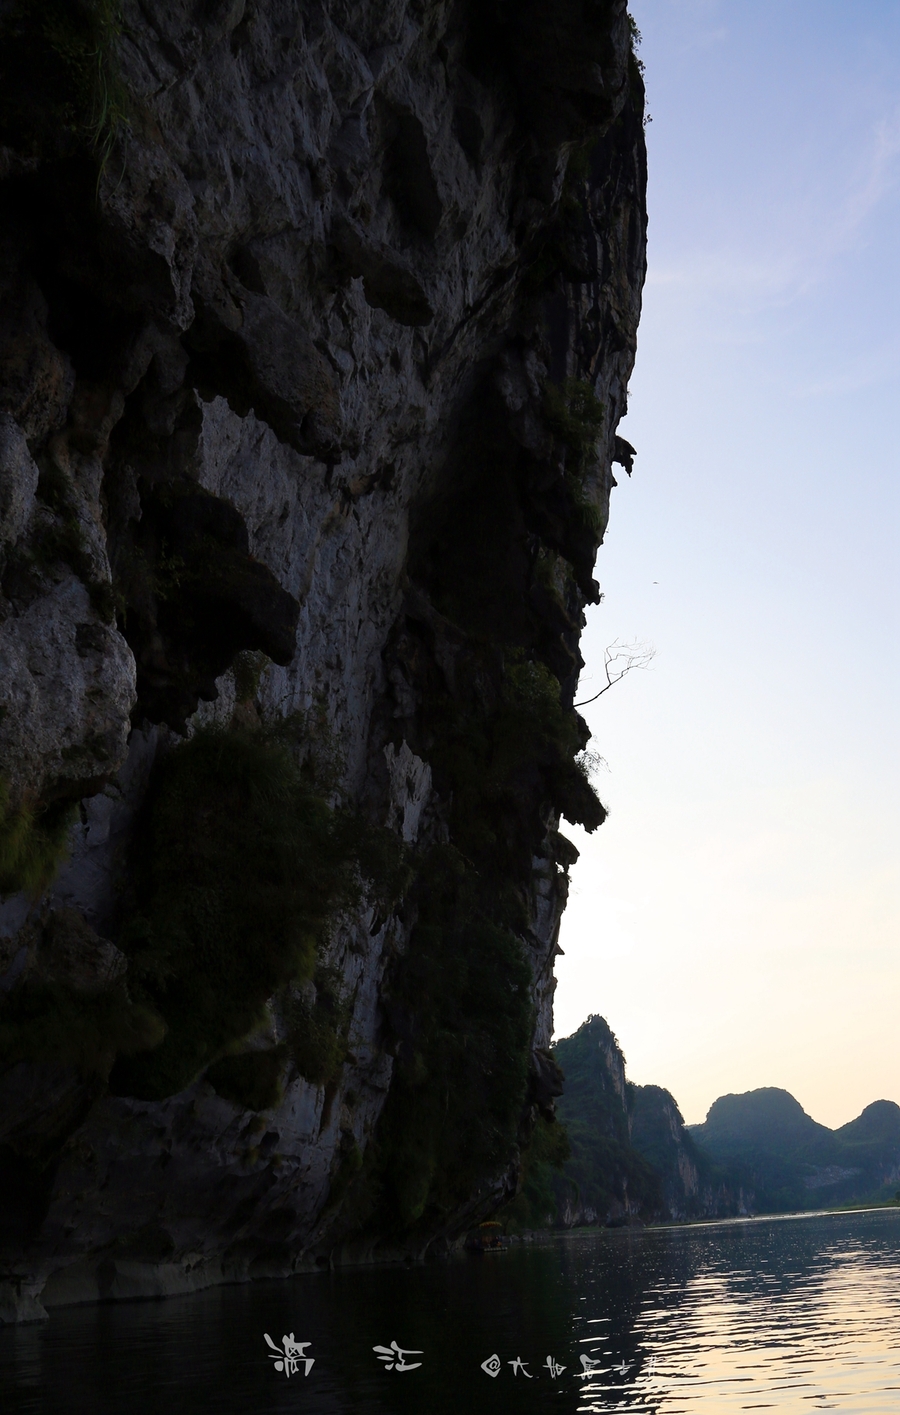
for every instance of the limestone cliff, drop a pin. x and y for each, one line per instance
(631, 1158)
(315, 329)
(693, 1185)
(606, 1179)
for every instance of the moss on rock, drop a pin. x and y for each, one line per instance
(253, 1080)
(59, 74)
(318, 1028)
(57, 1023)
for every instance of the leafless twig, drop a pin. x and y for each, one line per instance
(619, 659)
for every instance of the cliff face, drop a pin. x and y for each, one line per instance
(658, 1133)
(316, 328)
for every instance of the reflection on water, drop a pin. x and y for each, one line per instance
(792, 1315)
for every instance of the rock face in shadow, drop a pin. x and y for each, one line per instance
(313, 347)
(693, 1184)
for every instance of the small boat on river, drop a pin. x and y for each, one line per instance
(486, 1238)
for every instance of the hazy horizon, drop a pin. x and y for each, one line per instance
(736, 919)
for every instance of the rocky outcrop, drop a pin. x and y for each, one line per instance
(316, 329)
(658, 1133)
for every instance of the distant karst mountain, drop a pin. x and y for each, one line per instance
(789, 1161)
(632, 1158)
(767, 1118)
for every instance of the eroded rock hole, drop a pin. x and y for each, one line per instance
(409, 180)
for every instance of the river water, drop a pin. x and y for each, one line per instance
(789, 1314)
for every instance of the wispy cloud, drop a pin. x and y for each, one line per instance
(814, 234)
(877, 176)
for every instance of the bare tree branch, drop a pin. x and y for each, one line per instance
(619, 659)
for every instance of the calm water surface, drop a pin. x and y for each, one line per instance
(792, 1315)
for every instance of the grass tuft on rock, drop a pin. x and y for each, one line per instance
(50, 1022)
(59, 74)
(318, 1028)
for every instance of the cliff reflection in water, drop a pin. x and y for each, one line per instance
(786, 1314)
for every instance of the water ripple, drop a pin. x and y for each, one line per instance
(787, 1315)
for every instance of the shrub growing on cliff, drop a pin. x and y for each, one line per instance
(240, 865)
(575, 414)
(33, 843)
(317, 1030)
(536, 1204)
(55, 1023)
(490, 753)
(252, 1080)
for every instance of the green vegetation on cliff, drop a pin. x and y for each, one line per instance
(576, 415)
(630, 1157)
(493, 719)
(490, 749)
(459, 1006)
(33, 843)
(251, 1079)
(440, 528)
(70, 1006)
(240, 866)
(537, 1203)
(52, 1022)
(756, 1153)
(58, 74)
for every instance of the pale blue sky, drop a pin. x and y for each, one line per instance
(737, 920)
